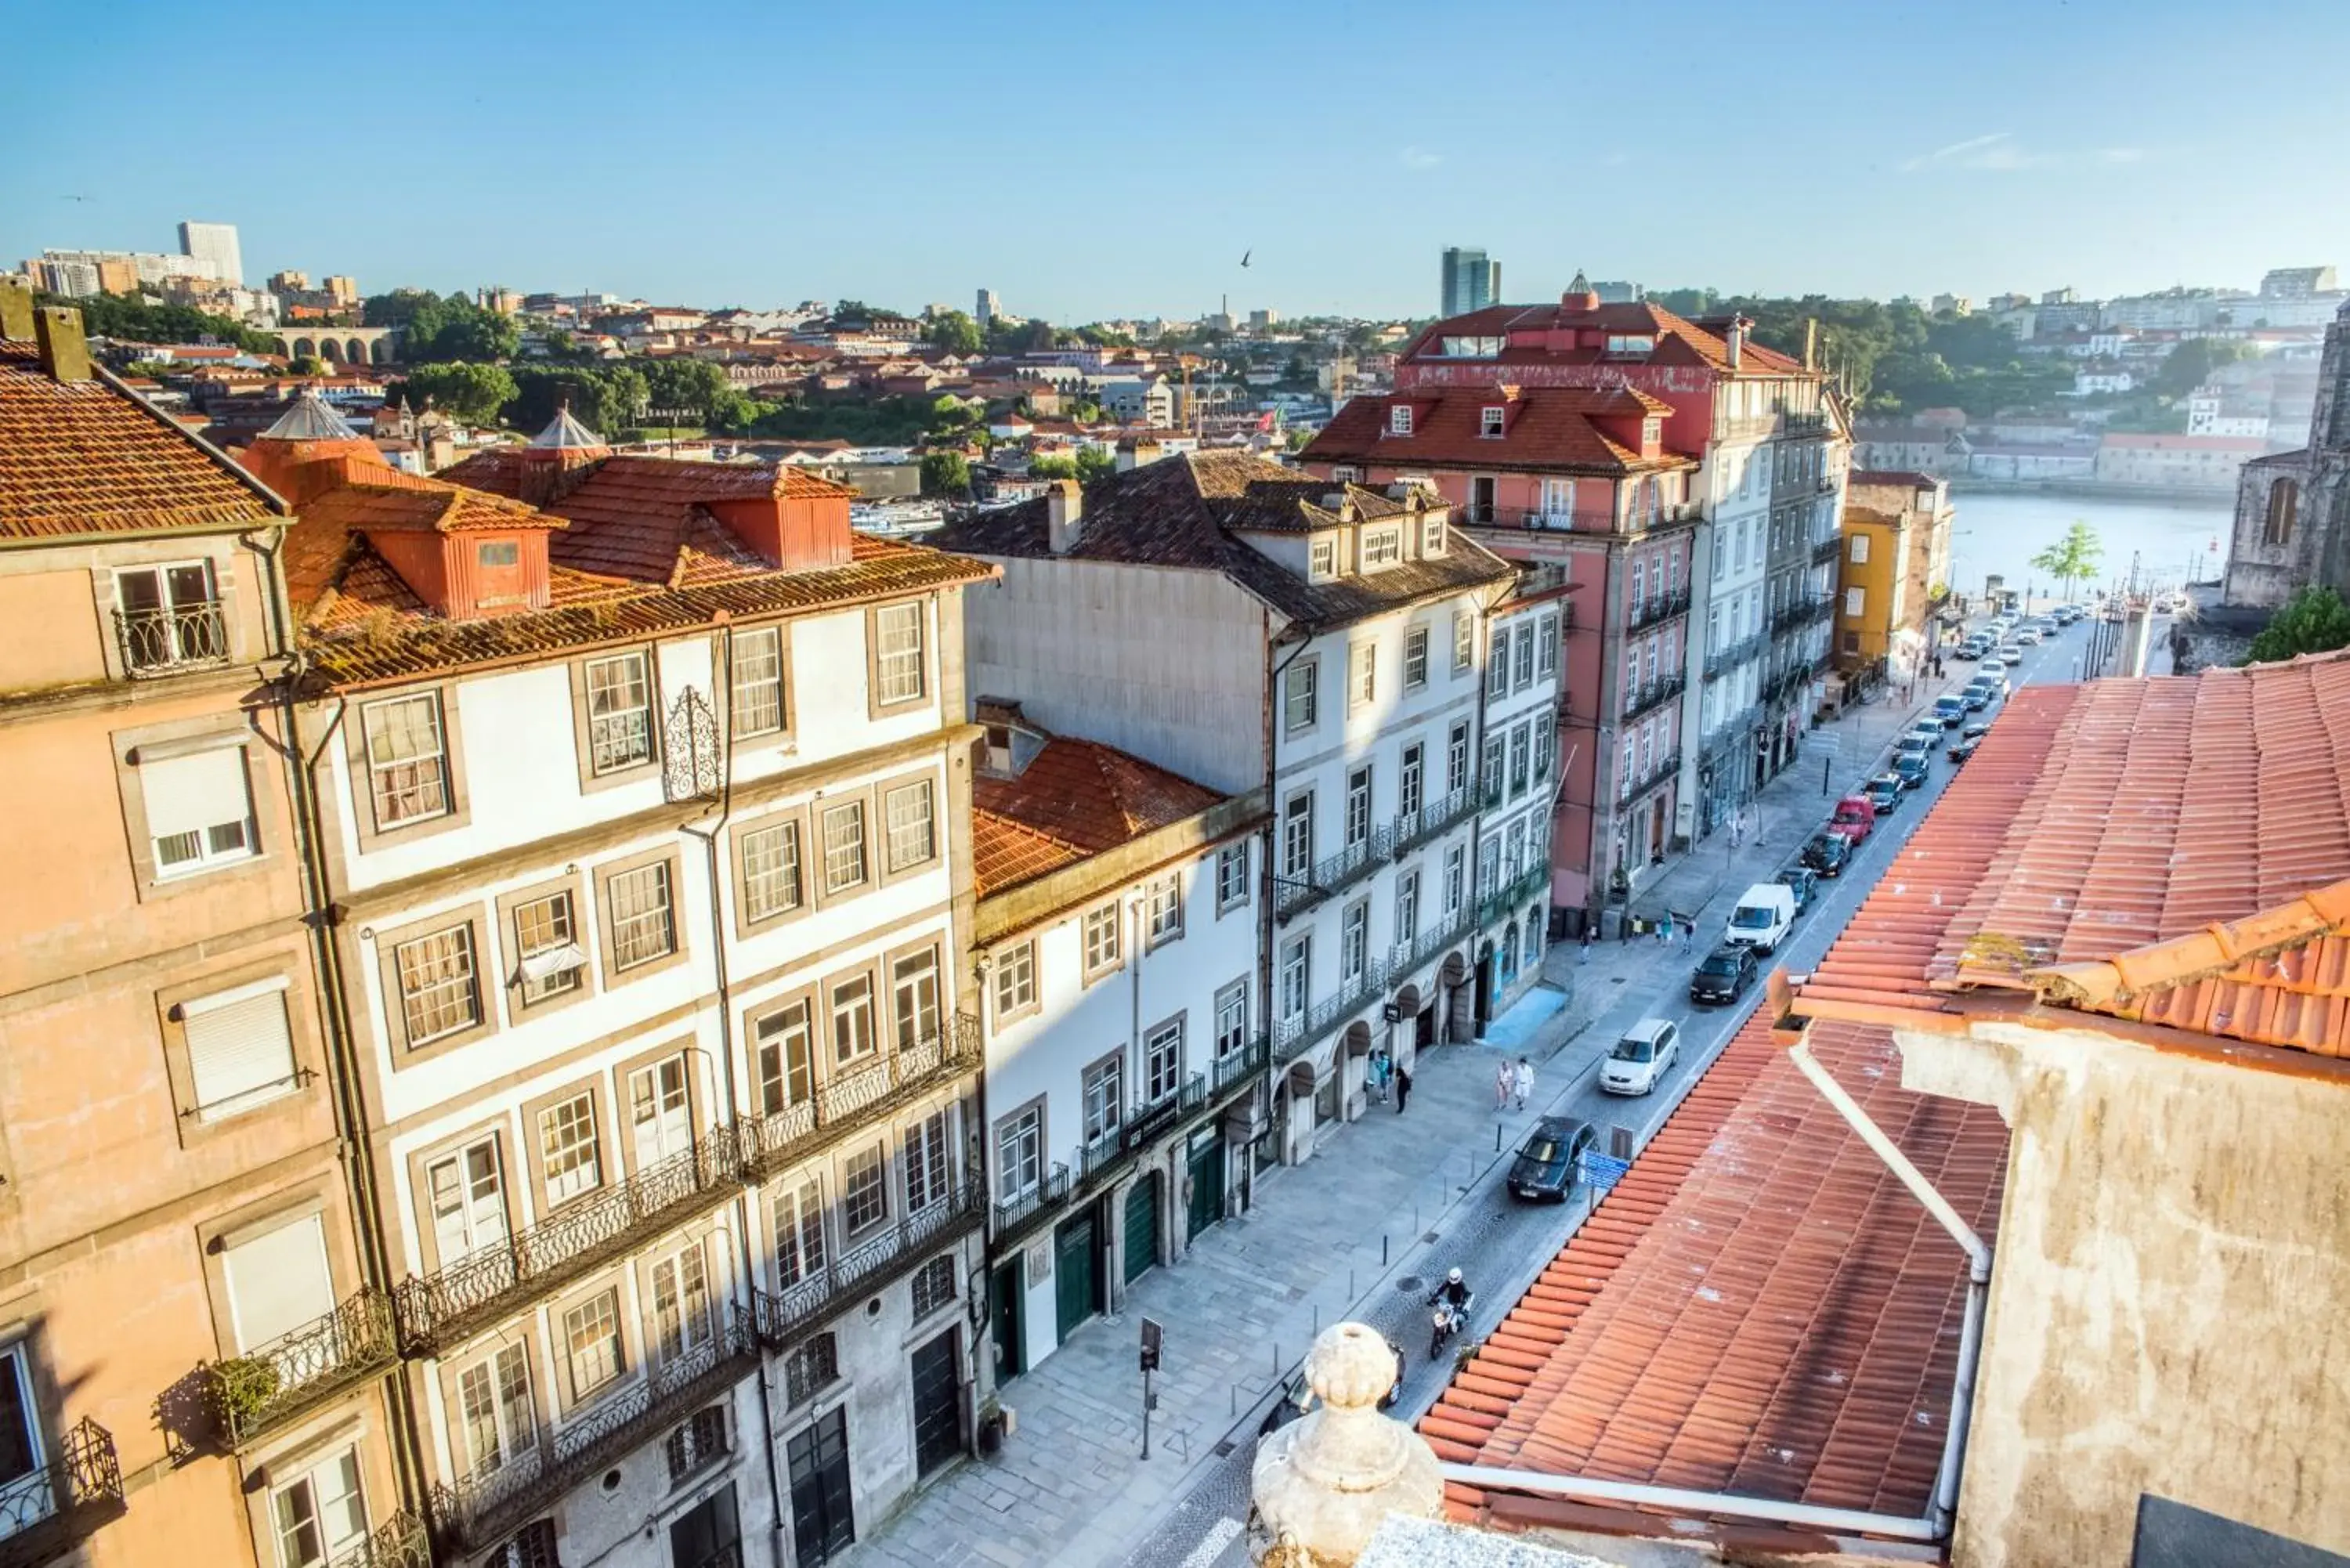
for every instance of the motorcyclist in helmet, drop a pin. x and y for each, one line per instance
(1454, 1291)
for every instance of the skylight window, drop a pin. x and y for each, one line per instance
(1399, 420)
(1490, 420)
(1630, 343)
(1470, 348)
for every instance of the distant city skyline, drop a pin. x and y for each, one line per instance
(1904, 152)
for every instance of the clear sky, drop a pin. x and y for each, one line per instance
(1089, 161)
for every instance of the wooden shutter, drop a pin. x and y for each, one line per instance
(188, 794)
(278, 1281)
(240, 1051)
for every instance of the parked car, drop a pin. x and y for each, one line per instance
(1925, 733)
(1914, 768)
(2028, 636)
(1951, 709)
(1637, 1064)
(1803, 882)
(1854, 818)
(1762, 917)
(1911, 744)
(1723, 974)
(1963, 749)
(1884, 792)
(2010, 653)
(1828, 852)
(1977, 695)
(1546, 1163)
(1969, 649)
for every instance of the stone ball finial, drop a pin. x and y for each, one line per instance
(1320, 1485)
(1350, 1366)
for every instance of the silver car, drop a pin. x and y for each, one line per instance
(1637, 1064)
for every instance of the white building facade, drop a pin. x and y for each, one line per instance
(1518, 783)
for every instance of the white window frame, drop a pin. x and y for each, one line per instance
(901, 655)
(760, 705)
(846, 858)
(619, 700)
(910, 814)
(642, 904)
(774, 874)
(1013, 978)
(1019, 1154)
(571, 1156)
(1162, 903)
(1231, 877)
(398, 769)
(1301, 696)
(462, 969)
(1415, 658)
(1162, 1062)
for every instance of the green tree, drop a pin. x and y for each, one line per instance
(607, 398)
(2189, 364)
(306, 365)
(2074, 558)
(1053, 467)
(2314, 620)
(436, 329)
(135, 317)
(681, 386)
(955, 333)
(1094, 462)
(473, 393)
(945, 473)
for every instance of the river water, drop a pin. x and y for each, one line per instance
(1999, 533)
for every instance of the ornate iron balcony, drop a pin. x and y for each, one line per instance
(1640, 783)
(483, 1509)
(253, 1393)
(1013, 1215)
(1502, 904)
(1104, 1155)
(1331, 874)
(399, 1542)
(1293, 1035)
(1718, 663)
(1732, 734)
(777, 1139)
(166, 642)
(1411, 829)
(1235, 1068)
(780, 1318)
(1652, 695)
(1827, 549)
(43, 1513)
(1405, 956)
(1657, 608)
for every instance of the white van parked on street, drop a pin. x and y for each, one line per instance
(1765, 914)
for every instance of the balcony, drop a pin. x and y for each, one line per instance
(1406, 957)
(1787, 684)
(1657, 608)
(1013, 1215)
(445, 1307)
(251, 1393)
(482, 1509)
(1411, 829)
(1107, 1155)
(1826, 550)
(778, 1139)
(1656, 773)
(1723, 661)
(399, 1542)
(167, 642)
(781, 1318)
(1235, 1068)
(1331, 875)
(1292, 1036)
(1732, 734)
(1795, 613)
(1506, 902)
(1652, 695)
(44, 1513)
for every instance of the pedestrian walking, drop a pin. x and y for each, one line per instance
(1665, 931)
(1403, 1088)
(1585, 956)
(1689, 933)
(1502, 1081)
(1524, 1082)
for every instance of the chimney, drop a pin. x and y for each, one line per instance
(1811, 342)
(16, 307)
(65, 352)
(1064, 511)
(1736, 338)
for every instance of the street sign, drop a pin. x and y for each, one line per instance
(1152, 1335)
(1603, 1171)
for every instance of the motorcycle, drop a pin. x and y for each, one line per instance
(1449, 1321)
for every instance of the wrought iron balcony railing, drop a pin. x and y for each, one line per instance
(1657, 608)
(1104, 1156)
(1502, 904)
(165, 641)
(253, 1393)
(1722, 661)
(482, 1509)
(1049, 1193)
(1650, 696)
(1822, 609)
(777, 1139)
(1405, 956)
(780, 1318)
(43, 1513)
(1293, 1035)
(1648, 778)
(1827, 549)
(399, 1542)
(1331, 874)
(1795, 612)
(1236, 1067)
(1411, 829)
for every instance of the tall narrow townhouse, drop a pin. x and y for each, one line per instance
(1520, 781)
(194, 1336)
(1117, 931)
(1806, 493)
(640, 783)
(1252, 628)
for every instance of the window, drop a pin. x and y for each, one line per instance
(1496, 751)
(810, 1369)
(1456, 757)
(865, 1199)
(1489, 419)
(1855, 602)
(1432, 535)
(407, 760)
(1381, 547)
(1163, 908)
(1019, 1154)
(493, 554)
(680, 1305)
(771, 871)
(898, 653)
(1354, 943)
(852, 1021)
(934, 1285)
(566, 1148)
(914, 997)
(1300, 695)
(320, 1513)
(1296, 960)
(169, 614)
(591, 1344)
(844, 846)
(1720, 558)
(619, 713)
(1321, 559)
(1104, 1097)
(1400, 419)
(1358, 807)
(1546, 646)
(644, 926)
(1407, 911)
(1232, 1018)
(1860, 549)
(466, 1191)
(661, 1111)
(1497, 665)
(1101, 937)
(759, 682)
(1231, 877)
(784, 1043)
(1162, 1062)
(928, 1177)
(548, 960)
(913, 832)
(1297, 837)
(199, 809)
(799, 1233)
(1640, 585)
(1455, 878)
(1519, 761)
(1362, 674)
(1464, 641)
(277, 1282)
(240, 1049)
(1524, 641)
(1015, 979)
(1415, 658)
(1489, 862)
(438, 993)
(1345, 474)
(494, 1405)
(699, 1440)
(1410, 780)
(1545, 745)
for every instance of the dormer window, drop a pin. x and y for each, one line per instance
(1470, 348)
(1344, 473)
(1490, 418)
(1432, 535)
(498, 552)
(1399, 420)
(1630, 343)
(1382, 547)
(1321, 560)
(1652, 430)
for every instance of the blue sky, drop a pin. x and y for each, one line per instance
(1090, 161)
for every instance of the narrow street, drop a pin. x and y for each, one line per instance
(1365, 1228)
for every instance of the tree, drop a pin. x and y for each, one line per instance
(436, 329)
(2189, 364)
(2074, 558)
(2314, 620)
(692, 387)
(608, 399)
(306, 365)
(1094, 462)
(1052, 466)
(955, 333)
(945, 473)
(136, 319)
(472, 394)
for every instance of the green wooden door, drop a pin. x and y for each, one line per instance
(1076, 1287)
(1141, 1227)
(1207, 1204)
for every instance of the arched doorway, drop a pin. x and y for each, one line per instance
(1459, 1004)
(1297, 1085)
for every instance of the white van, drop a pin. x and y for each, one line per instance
(1765, 914)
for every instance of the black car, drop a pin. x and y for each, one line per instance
(1546, 1160)
(1914, 768)
(1884, 792)
(1803, 882)
(1724, 974)
(1828, 854)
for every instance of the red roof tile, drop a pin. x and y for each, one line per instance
(1679, 340)
(1074, 798)
(1546, 429)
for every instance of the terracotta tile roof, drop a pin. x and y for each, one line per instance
(416, 505)
(1186, 511)
(1679, 341)
(1546, 429)
(91, 457)
(1896, 478)
(1074, 798)
(1005, 853)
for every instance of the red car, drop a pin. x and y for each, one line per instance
(1855, 818)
